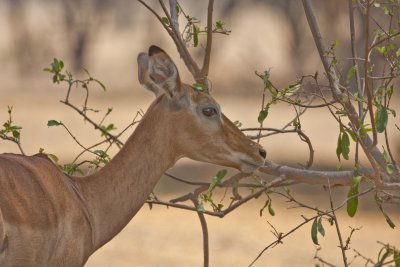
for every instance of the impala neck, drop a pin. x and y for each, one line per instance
(117, 192)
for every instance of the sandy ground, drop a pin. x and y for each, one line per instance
(169, 237)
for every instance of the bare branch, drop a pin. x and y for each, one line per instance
(96, 126)
(182, 49)
(207, 56)
(205, 232)
(354, 54)
(342, 248)
(18, 143)
(366, 81)
(317, 177)
(306, 221)
(173, 5)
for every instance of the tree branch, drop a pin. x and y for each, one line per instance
(173, 4)
(205, 232)
(182, 49)
(372, 153)
(207, 56)
(342, 248)
(306, 221)
(318, 177)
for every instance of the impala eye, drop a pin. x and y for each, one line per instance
(210, 111)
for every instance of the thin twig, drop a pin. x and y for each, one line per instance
(207, 55)
(342, 248)
(96, 126)
(203, 222)
(307, 220)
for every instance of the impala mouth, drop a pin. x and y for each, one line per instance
(249, 166)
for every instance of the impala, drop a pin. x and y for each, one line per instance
(48, 218)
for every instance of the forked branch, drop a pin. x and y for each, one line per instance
(200, 75)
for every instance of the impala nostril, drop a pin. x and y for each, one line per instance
(262, 152)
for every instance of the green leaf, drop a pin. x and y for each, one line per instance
(100, 153)
(389, 90)
(16, 134)
(382, 50)
(396, 258)
(388, 220)
(385, 10)
(265, 77)
(199, 86)
(321, 229)
(314, 232)
(270, 209)
(351, 72)
(53, 157)
(389, 168)
(352, 203)
(265, 205)
(53, 123)
(72, 168)
(200, 207)
(107, 128)
(100, 83)
(287, 190)
(389, 165)
(238, 124)
(217, 179)
(345, 145)
(165, 20)
(384, 256)
(196, 31)
(381, 119)
(339, 146)
(398, 53)
(219, 25)
(263, 114)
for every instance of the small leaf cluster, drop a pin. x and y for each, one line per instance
(389, 164)
(317, 228)
(55, 68)
(199, 86)
(208, 197)
(101, 158)
(343, 144)
(68, 168)
(10, 131)
(107, 128)
(388, 254)
(283, 94)
(267, 205)
(192, 30)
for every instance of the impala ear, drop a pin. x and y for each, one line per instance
(158, 73)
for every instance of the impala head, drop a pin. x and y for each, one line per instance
(194, 119)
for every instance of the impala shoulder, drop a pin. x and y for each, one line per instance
(43, 156)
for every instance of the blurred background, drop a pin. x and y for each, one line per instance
(105, 37)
